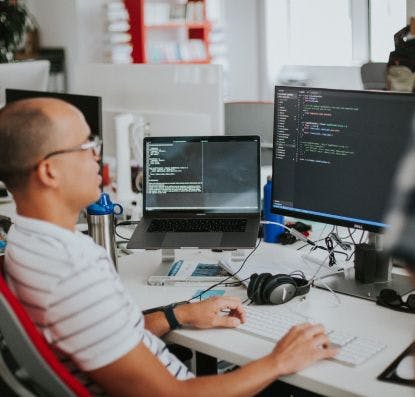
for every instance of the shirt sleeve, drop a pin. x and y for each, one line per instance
(91, 317)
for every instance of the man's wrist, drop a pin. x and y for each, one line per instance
(176, 315)
(275, 364)
(182, 314)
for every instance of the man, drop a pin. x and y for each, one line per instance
(69, 287)
(401, 235)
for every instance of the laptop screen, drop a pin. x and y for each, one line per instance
(206, 174)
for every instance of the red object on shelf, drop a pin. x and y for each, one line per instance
(135, 10)
(139, 38)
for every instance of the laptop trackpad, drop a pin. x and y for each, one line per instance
(192, 240)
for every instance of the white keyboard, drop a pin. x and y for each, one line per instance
(272, 325)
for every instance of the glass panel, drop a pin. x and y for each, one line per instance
(386, 18)
(320, 32)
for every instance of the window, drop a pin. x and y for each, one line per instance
(319, 32)
(386, 18)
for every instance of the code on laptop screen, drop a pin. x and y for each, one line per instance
(218, 176)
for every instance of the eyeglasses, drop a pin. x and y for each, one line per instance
(94, 145)
(391, 299)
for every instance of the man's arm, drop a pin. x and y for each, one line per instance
(210, 313)
(140, 373)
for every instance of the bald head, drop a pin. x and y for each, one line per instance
(30, 129)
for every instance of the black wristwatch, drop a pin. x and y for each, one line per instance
(171, 317)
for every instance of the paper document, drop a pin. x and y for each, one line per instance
(189, 273)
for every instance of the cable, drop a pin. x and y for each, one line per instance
(300, 236)
(361, 237)
(124, 223)
(351, 235)
(227, 278)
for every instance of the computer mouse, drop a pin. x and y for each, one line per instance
(406, 368)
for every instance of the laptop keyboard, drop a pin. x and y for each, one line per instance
(197, 225)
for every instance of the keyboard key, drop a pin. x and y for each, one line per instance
(339, 338)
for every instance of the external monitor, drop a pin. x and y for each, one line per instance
(180, 100)
(336, 153)
(33, 75)
(90, 106)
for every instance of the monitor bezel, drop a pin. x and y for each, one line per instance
(329, 218)
(210, 138)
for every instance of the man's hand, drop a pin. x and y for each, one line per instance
(213, 312)
(303, 345)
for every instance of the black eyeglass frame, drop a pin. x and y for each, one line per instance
(400, 305)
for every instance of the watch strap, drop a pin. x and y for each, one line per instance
(171, 317)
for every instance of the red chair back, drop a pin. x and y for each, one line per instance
(41, 357)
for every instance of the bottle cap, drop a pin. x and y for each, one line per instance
(104, 206)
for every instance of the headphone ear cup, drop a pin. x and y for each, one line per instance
(258, 287)
(272, 295)
(252, 285)
(271, 283)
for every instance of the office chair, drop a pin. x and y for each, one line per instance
(374, 75)
(31, 352)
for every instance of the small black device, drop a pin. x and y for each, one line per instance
(200, 192)
(369, 263)
(265, 288)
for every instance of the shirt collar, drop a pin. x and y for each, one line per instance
(38, 226)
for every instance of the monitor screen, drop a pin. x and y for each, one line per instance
(210, 174)
(336, 153)
(90, 106)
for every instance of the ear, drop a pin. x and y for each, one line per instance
(47, 174)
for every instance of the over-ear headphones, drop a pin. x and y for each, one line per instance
(264, 289)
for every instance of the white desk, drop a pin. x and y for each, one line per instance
(328, 378)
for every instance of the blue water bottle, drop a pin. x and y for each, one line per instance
(271, 232)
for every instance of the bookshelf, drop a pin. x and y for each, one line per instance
(173, 31)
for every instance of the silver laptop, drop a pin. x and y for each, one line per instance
(200, 192)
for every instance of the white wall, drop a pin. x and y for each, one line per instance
(241, 26)
(76, 25)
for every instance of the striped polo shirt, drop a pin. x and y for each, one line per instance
(70, 289)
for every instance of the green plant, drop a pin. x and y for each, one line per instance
(13, 17)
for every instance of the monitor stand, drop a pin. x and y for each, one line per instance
(168, 256)
(346, 283)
